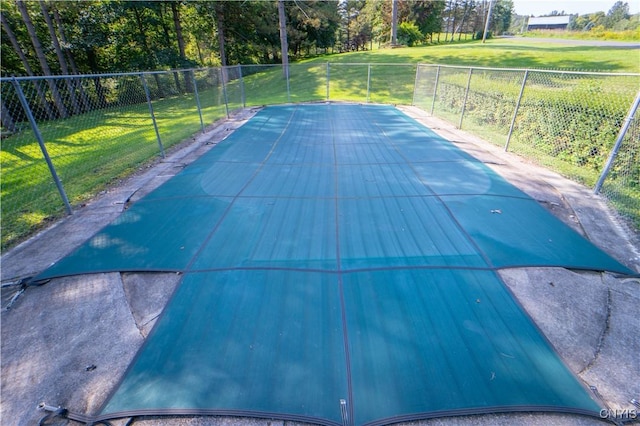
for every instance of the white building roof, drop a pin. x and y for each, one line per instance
(550, 20)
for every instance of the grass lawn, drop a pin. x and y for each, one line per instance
(89, 152)
(504, 53)
(92, 150)
(602, 34)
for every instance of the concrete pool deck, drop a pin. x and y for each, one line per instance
(63, 345)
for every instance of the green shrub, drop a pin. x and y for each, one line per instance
(409, 34)
(572, 122)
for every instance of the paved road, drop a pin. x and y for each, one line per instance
(595, 43)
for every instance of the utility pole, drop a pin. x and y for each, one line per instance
(283, 39)
(486, 25)
(394, 22)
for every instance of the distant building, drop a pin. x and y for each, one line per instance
(548, 23)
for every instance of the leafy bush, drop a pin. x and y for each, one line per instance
(478, 35)
(573, 121)
(409, 34)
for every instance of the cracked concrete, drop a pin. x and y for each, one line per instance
(69, 341)
(54, 335)
(146, 295)
(606, 324)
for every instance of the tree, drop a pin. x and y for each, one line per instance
(378, 14)
(37, 46)
(181, 50)
(450, 19)
(18, 49)
(312, 23)
(72, 63)
(349, 10)
(468, 7)
(361, 32)
(427, 14)
(586, 22)
(618, 12)
(501, 16)
(355, 28)
(61, 59)
(93, 36)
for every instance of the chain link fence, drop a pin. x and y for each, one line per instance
(566, 121)
(66, 138)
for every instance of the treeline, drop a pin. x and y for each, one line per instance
(617, 19)
(86, 37)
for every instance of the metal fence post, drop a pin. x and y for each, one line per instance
(515, 112)
(466, 95)
(616, 146)
(288, 86)
(368, 81)
(195, 91)
(415, 85)
(224, 90)
(43, 148)
(153, 116)
(242, 97)
(328, 74)
(435, 90)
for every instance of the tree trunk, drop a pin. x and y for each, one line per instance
(454, 13)
(219, 7)
(394, 22)
(57, 99)
(467, 8)
(63, 37)
(283, 39)
(72, 63)
(16, 46)
(188, 83)
(61, 58)
(147, 49)
(7, 120)
(449, 21)
(93, 64)
(167, 38)
(200, 56)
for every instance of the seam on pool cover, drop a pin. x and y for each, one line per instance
(343, 311)
(235, 198)
(484, 256)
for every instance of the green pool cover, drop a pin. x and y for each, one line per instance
(339, 267)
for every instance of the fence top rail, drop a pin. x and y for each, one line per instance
(105, 75)
(406, 64)
(596, 73)
(139, 73)
(324, 64)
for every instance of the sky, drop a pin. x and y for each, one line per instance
(581, 7)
